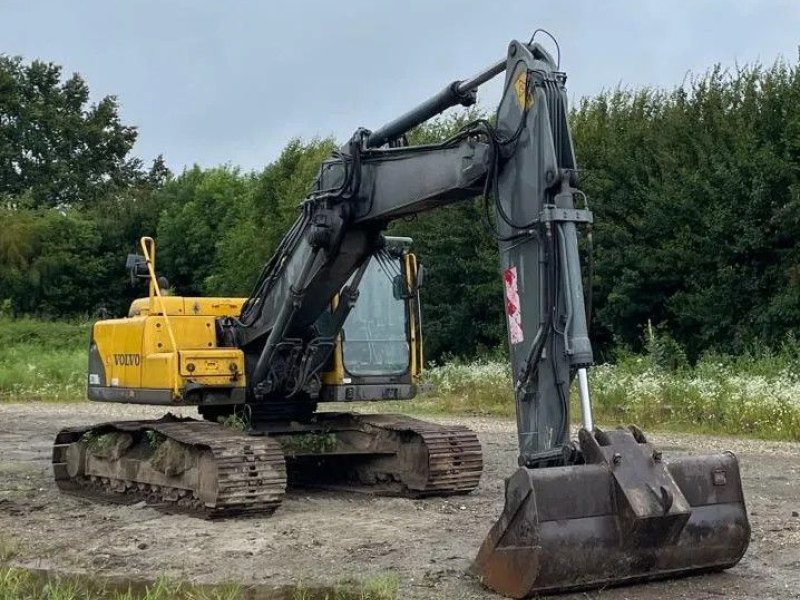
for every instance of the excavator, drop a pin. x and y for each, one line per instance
(603, 509)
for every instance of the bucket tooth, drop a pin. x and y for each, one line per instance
(626, 515)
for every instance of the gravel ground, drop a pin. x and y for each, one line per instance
(320, 538)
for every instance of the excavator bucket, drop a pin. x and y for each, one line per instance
(625, 515)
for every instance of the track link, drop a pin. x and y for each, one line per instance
(233, 473)
(454, 455)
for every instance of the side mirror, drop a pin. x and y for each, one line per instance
(420, 276)
(137, 267)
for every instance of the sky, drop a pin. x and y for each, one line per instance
(213, 82)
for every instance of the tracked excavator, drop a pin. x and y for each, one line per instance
(603, 509)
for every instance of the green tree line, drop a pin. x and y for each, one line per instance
(695, 193)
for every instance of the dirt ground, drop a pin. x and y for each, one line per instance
(321, 538)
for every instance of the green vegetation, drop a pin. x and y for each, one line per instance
(21, 584)
(42, 360)
(753, 395)
(8, 549)
(313, 443)
(155, 439)
(100, 444)
(72, 199)
(57, 149)
(696, 194)
(379, 587)
(44, 335)
(234, 421)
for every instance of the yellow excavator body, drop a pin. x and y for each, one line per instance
(138, 360)
(166, 352)
(169, 351)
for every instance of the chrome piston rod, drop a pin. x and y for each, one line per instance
(459, 92)
(586, 404)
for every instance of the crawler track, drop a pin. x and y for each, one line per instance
(217, 472)
(453, 461)
(231, 473)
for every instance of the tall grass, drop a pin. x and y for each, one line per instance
(757, 396)
(42, 360)
(21, 584)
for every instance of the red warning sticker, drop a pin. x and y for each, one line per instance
(512, 305)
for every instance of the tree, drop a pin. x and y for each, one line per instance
(697, 205)
(55, 148)
(123, 218)
(265, 214)
(197, 209)
(50, 263)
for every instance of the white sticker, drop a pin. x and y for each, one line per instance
(512, 305)
(94, 379)
(115, 381)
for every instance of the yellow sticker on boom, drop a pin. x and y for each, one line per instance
(524, 95)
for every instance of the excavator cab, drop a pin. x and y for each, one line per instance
(378, 355)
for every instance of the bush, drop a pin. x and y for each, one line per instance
(45, 335)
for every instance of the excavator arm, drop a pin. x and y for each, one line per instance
(524, 164)
(602, 510)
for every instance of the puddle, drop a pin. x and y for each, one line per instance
(93, 586)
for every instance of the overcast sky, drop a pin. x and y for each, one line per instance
(213, 82)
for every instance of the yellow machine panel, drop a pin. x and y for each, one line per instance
(119, 342)
(188, 305)
(165, 351)
(134, 359)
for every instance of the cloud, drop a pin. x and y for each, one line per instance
(232, 82)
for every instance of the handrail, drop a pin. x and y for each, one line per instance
(148, 245)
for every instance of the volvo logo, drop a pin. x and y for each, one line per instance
(127, 360)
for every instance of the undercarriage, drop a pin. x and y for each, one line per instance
(211, 470)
